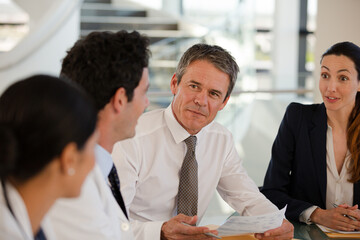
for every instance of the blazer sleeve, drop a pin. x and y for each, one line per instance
(279, 182)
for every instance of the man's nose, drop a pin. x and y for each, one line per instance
(201, 98)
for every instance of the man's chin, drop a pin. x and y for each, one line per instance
(195, 128)
(132, 134)
(128, 135)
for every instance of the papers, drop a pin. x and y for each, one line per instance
(237, 225)
(330, 230)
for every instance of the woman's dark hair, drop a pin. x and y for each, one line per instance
(352, 51)
(39, 116)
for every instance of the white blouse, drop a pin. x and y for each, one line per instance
(338, 189)
(18, 227)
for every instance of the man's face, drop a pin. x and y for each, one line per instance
(199, 95)
(137, 105)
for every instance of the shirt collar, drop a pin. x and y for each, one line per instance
(104, 160)
(19, 209)
(177, 131)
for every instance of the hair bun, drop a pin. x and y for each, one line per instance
(8, 151)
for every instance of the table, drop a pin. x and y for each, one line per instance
(301, 231)
(312, 232)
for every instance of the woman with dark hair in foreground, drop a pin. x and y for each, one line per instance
(47, 144)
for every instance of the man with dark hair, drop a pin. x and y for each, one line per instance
(180, 156)
(113, 69)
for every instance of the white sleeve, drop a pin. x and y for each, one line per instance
(128, 165)
(239, 190)
(92, 216)
(305, 215)
(146, 230)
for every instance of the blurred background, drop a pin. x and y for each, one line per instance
(276, 43)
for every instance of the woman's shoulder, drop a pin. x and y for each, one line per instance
(304, 109)
(298, 114)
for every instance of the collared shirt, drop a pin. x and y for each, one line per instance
(95, 214)
(104, 160)
(19, 227)
(149, 166)
(338, 189)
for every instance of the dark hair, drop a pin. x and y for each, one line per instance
(352, 51)
(216, 55)
(8, 150)
(103, 62)
(39, 116)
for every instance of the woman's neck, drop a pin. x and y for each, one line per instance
(38, 195)
(338, 121)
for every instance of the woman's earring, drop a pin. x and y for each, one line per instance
(71, 172)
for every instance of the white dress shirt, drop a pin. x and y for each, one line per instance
(338, 189)
(95, 214)
(18, 227)
(149, 166)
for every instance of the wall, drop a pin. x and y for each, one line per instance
(53, 38)
(337, 21)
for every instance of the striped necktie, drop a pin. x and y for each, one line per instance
(188, 186)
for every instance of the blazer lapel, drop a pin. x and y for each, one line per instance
(356, 193)
(318, 142)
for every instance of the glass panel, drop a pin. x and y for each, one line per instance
(255, 110)
(13, 25)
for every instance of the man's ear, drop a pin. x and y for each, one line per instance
(119, 100)
(224, 103)
(68, 159)
(174, 84)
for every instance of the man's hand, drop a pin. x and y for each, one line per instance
(335, 218)
(285, 231)
(174, 229)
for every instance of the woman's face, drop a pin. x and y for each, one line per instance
(338, 83)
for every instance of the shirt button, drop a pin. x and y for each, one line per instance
(125, 226)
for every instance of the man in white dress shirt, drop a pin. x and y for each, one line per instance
(151, 161)
(113, 69)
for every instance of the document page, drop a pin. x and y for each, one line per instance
(237, 225)
(330, 230)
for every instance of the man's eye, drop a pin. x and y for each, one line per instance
(214, 94)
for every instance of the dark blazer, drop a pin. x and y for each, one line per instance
(296, 175)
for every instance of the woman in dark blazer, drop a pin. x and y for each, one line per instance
(315, 160)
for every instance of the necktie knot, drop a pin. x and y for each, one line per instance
(191, 142)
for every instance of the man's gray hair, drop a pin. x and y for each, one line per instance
(216, 55)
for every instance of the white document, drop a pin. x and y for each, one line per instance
(237, 225)
(330, 230)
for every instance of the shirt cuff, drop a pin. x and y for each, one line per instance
(305, 215)
(147, 230)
